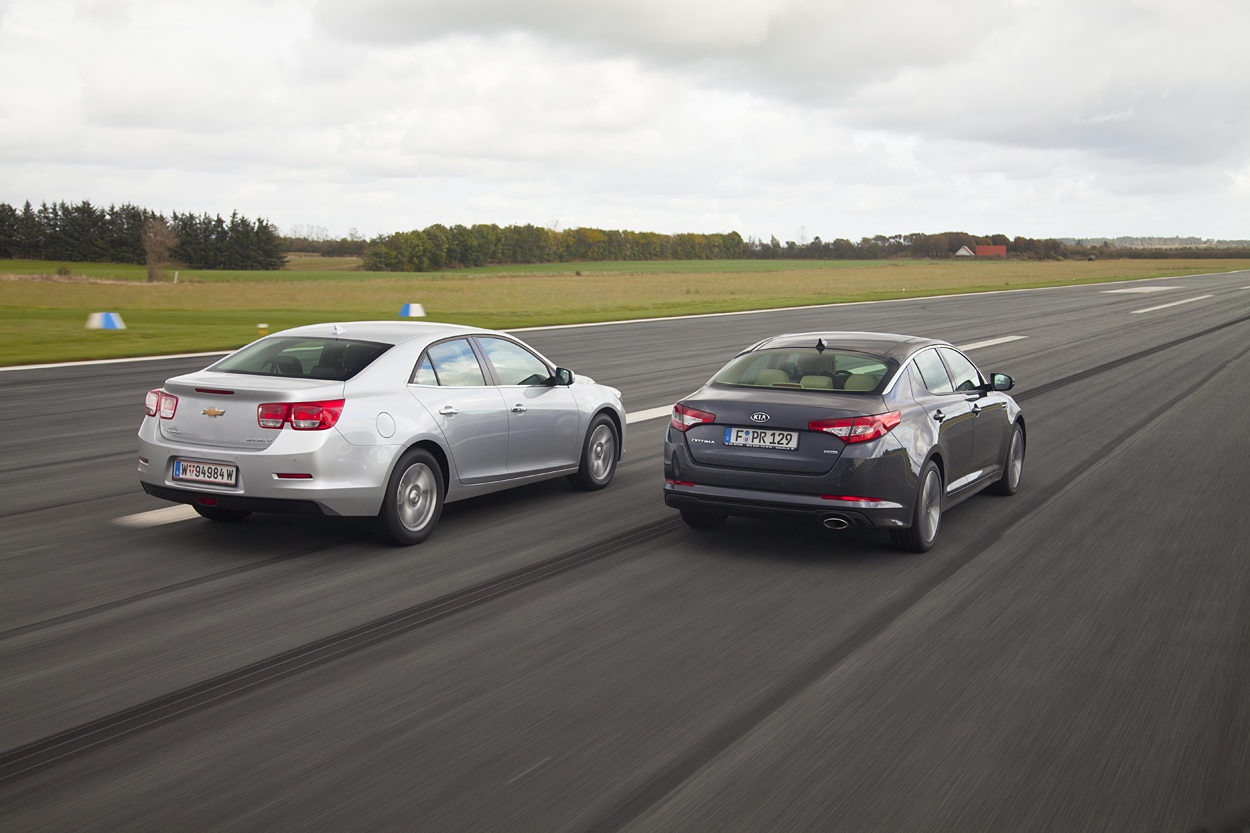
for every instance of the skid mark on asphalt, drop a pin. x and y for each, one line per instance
(1173, 304)
(159, 517)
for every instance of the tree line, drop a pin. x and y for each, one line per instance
(442, 247)
(126, 234)
(946, 244)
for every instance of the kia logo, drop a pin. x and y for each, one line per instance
(759, 416)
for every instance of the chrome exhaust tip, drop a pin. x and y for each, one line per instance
(835, 523)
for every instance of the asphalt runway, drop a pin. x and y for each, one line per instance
(1075, 657)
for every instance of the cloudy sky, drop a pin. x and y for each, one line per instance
(831, 118)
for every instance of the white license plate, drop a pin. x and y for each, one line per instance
(205, 472)
(762, 438)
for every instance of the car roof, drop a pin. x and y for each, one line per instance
(383, 332)
(886, 345)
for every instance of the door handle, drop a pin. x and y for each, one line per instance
(938, 415)
(518, 409)
(448, 410)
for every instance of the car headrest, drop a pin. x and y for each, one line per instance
(861, 381)
(818, 382)
(769, 376)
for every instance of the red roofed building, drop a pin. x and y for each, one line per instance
(991, 251)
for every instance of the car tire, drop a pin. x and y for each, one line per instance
(702, 520)
(227, 516)
(1014, 468)
(413, 501)
(599, 453)
(926, 517)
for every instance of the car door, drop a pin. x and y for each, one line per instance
(543, 419)
(951, 410)
(449, 381)
(989, 410)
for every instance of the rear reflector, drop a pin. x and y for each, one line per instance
(852, 498)
(683, 417)
(679, 482)
(293, 476)
(858, 429)
(207, 501)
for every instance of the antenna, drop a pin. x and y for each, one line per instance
(820, 345)
(337, 329)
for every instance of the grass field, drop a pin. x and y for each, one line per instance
(42, 321)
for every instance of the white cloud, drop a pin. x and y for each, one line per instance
(848, 118)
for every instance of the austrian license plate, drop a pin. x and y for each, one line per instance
(762, 438)
(205, 472)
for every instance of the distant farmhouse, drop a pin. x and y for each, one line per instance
(991, 251)
(964, 251)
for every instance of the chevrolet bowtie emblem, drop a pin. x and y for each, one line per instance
(212, 412)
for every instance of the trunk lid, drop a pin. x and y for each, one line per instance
(817, 451)
(218, 410)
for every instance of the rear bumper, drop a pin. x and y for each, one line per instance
(242, 503)
(345, 479)
(749, 503)
(881, 470)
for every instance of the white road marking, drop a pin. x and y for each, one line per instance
(650, 413)
(1173, 304)
(116, 361)
(159, 517)
(989, 342)
(526, 771)
(1139, 290)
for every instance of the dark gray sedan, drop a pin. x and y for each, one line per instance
(849, 429)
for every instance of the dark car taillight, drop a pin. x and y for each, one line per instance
(303, 416)
(683, 417)
(858, 429)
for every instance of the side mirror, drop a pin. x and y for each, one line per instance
(1001, 381)
(564, 376)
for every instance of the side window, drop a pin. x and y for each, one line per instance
(932, 374)
(963, 372)
(514, 365)
(424, 374)
(455, 364)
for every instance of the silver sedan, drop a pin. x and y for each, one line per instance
(387, 419)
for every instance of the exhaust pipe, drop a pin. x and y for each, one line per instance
(835, 523)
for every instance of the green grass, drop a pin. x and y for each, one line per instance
(42, 321)
(334, 269)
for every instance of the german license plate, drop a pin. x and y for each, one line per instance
(205, 472)
(762, 438)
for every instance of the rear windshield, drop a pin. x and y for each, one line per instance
(336, 359)
(805, 368)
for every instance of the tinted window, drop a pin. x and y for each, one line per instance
(424, 373)
(805, 368)
(455, 364)
(514, 365)
(932, 374)
(963, 372)
(304, 358)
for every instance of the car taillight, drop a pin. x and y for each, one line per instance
(683, 417)
(303, 416)
(858, 429)
(272, 415)
(165, 404)
(315, 416)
